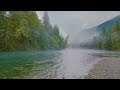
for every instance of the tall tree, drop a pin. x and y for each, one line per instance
(22, 30)
(46, 21)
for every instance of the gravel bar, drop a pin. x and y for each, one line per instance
(107, 68)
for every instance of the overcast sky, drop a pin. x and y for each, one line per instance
(72, 22)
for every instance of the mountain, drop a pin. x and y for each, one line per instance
(88, 34)
(108, 24)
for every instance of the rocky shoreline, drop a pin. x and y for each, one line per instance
(107, 68)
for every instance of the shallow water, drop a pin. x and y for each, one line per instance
(54, 64)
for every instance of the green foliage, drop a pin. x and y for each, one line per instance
(109, 39)
(22, 30)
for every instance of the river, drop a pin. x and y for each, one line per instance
(52, 64)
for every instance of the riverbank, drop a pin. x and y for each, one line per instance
(107, 68)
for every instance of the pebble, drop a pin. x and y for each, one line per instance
(107, 68)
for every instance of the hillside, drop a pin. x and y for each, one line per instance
(88, 34)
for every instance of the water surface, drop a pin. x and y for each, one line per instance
(52, 64)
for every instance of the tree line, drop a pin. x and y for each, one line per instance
(22, 30)
(109, 39)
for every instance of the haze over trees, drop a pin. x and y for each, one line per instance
(109, 39)
(22, 30)
(103, 36)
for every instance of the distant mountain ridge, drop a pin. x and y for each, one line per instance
(88, 34)
(108, 24)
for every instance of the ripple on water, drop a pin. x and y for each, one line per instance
(56, 64)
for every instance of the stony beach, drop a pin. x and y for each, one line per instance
(107, 68)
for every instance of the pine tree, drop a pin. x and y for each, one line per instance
(22, 30)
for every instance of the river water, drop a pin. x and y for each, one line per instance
(54, 64)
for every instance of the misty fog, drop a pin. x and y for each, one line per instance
(72, 23)
(60, 45)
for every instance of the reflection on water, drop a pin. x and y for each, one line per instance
(70, 64)
(54, 64)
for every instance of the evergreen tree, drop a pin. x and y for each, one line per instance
(22, 30)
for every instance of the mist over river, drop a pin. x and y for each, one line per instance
(52, 64)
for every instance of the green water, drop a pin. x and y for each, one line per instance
(52, 64)
(17, 65)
